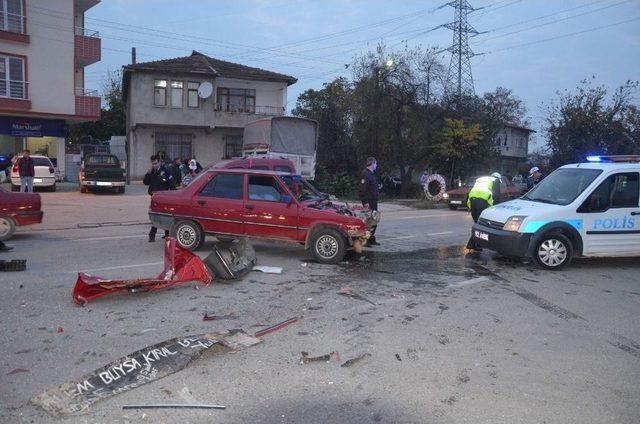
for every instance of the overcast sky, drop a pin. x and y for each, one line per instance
(528, 47)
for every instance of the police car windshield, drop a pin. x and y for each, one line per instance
(562, 186)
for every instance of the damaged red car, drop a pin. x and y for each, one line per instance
(17, 209)
(232, 203)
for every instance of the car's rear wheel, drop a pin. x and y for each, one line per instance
(121, 189)
(553, 252)
(188, 234)
(453, 207)
(328, 245)
(15, 188)
(83, 189)
(7, 228)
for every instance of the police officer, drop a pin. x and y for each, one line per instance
(369, 193)
(158, 178)
(535, 176)
(485, 193)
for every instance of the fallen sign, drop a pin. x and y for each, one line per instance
(141, 367)
(180, 266)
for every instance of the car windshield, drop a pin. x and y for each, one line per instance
(102, 160)
(301, 188)
(562, 186)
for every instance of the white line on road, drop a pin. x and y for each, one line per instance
(123, 266)
(110, 237)
(469, 282)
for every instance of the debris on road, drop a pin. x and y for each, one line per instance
(231, 260)
(211, 317)
(174, 405)
(268, 269)
(355, 360)
(306, 359)
(13, 265)
(180, 266)
(276, 327)
(398, 357)
(17, 371)
(349, 292)
(138, 368)
(59, 330)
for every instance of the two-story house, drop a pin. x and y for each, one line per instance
(166, 112)
(512, 142)
(44, 49)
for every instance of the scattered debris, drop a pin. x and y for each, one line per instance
(268, 269)
(208, 317)
(180, 266)
(17, 371)
(276, 327)
(355, 360)
(443, 339)
(306, 359)
(349, 292)
(175, 405)
(398, 357)
(231, 260)
(59, 329)
(133, 370)
(13, 265)
(304, 264)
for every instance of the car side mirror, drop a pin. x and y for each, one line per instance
(285, 198)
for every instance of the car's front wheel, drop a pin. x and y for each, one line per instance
(553, 252)
(328, 245)
(188, 234)
(7, 228)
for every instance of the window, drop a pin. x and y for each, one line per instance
(232, 146)
(176, 145)
(228, 186)
(160, 93)
(563, 186)
(617, 191)
(236, 100)
(102, 160)
(176, 93)
(12, 81)
(264, 188)
(192, 94)
(12, 16)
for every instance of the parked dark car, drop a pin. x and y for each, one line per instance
(101, 171)
(457, 198)
(17, 209)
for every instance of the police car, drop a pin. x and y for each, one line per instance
(587, 209)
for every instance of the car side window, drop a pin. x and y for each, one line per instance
(264, 188)
(616, 191)
(281, 168)
(228, 186)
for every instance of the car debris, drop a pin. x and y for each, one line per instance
(174, 405)
(13, 265)
(133, 370)
(17, 371)
(349, 292)
(268, 269)
(398, 357)
(306, 359)
(180, 266)
(231, 260)
(276, 327)
(211, 317)
(353, 361)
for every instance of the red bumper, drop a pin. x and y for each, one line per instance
(28, 217)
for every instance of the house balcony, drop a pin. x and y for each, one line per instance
(228, 116)
(87, 47)
(13, 28)
(87, 104)
(14, 95)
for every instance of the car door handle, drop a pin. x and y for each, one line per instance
(250, 207)
(635, 213)
(202, 202)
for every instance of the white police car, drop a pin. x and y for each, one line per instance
(588, 209)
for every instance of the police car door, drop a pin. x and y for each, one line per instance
(611, 217)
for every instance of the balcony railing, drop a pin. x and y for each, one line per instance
(86, 92)
(13, 89)
(87, 46)
(256, 110)
(85, 32)
(87, 103)
(12, 23)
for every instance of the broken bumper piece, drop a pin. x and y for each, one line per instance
(180, 266)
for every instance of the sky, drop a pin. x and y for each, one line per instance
(534, 47)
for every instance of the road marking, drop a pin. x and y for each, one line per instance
(110, 238)
(123, 266)
(469, 282)
(416, 217)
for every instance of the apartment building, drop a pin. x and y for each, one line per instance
(166, 112)
(44, 49)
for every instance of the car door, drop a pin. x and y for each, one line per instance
(218, 206)
(270, 209)
(611, 217)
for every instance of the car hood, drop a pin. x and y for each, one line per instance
(459, 191)
(519, 207)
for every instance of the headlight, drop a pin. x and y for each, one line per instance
(445, 196)
(513, 223)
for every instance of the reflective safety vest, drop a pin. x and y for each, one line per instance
(482, 189)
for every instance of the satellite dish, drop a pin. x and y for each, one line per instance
(205, 90)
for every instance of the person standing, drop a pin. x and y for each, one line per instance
(177, 172)
(369, 193)
(26, 171)
(485, 193)
(158, 178)
(535, 176)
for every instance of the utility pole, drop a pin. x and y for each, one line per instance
(460, 74)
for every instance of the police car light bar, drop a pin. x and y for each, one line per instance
(614, 158)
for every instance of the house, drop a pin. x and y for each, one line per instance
(166, 112)
(512, 142)
(44, 49)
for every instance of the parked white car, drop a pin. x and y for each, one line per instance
(45, 176)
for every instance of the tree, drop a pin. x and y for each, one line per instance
(587, 122)
(459, 141)
(502, 107)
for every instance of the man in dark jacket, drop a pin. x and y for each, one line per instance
(369, 193)
(26, 170)
(158, 178)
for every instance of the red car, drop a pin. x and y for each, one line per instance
(259, 162)
(457, 198)
(17, 209)
(254, 203)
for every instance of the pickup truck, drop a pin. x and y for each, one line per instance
(101, 171)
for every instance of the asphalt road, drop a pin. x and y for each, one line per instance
(452, 337)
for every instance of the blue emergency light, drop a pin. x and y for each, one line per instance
(594, 159)
(613, 158)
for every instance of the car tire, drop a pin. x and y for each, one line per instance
(453, 207)
(121, 190)
(553, 252)
(83, 189)
(188, 234)
(328, 245)
(7, 228)
(15, 188)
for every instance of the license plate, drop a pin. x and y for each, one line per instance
(37, 180)
(481, 235)
(102, 183)
(456, 202)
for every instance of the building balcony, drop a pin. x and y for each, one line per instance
(14, 95)
(13, 28)
(87, 104)
(87, 46)
(228, 116)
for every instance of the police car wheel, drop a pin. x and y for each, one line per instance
(188, 234)
(553, 252)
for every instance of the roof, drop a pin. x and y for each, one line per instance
(248, 171)
(605, 166)
(519, 127)
(201, 64)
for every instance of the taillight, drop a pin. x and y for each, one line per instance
(51, 170)
(82, 175)
(15, 168)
